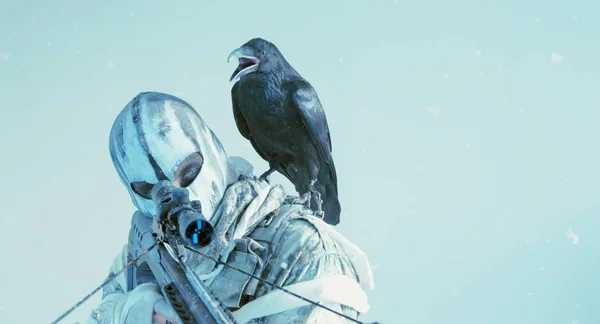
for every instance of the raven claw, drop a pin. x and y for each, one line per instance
(245, 177)
(301, 200)
(306, 199)
(266, 179)
(265, 176)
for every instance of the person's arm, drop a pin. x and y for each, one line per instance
(303, 255)
(324, 267)
(121, 306)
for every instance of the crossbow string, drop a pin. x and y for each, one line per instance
(134, 260)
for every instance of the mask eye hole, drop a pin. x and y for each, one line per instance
(142, 188)
(188, 170)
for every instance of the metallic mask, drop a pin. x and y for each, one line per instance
(161, 137)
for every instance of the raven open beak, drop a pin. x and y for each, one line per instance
(248, 63)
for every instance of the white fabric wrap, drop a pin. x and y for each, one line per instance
(239, 212)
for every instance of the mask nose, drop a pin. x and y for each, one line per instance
(164, 192)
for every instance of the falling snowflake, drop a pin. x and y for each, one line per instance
(538, 20)
(541, 269)
(110, 65)
(445, 76)
(478, 53)
(575, 17)
(3, 57)
(433, 110)
(341, 58)
(467, 146)
(555, 58)
(572, 236)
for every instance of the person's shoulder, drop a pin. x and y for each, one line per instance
(295, 229)
(309, 240)
(302, 247)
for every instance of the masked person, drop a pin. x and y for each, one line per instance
(256, 228)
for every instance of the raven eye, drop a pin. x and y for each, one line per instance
(142, 188)
(263, 53)
(188, 170)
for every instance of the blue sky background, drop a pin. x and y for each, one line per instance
(464, 153)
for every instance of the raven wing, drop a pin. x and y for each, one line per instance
(306, 101)
(243, 126)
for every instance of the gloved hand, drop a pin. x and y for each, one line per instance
(164, 313)
(146, 299)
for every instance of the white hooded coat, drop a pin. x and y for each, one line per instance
(256, 229)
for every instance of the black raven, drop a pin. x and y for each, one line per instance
(280, 113)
